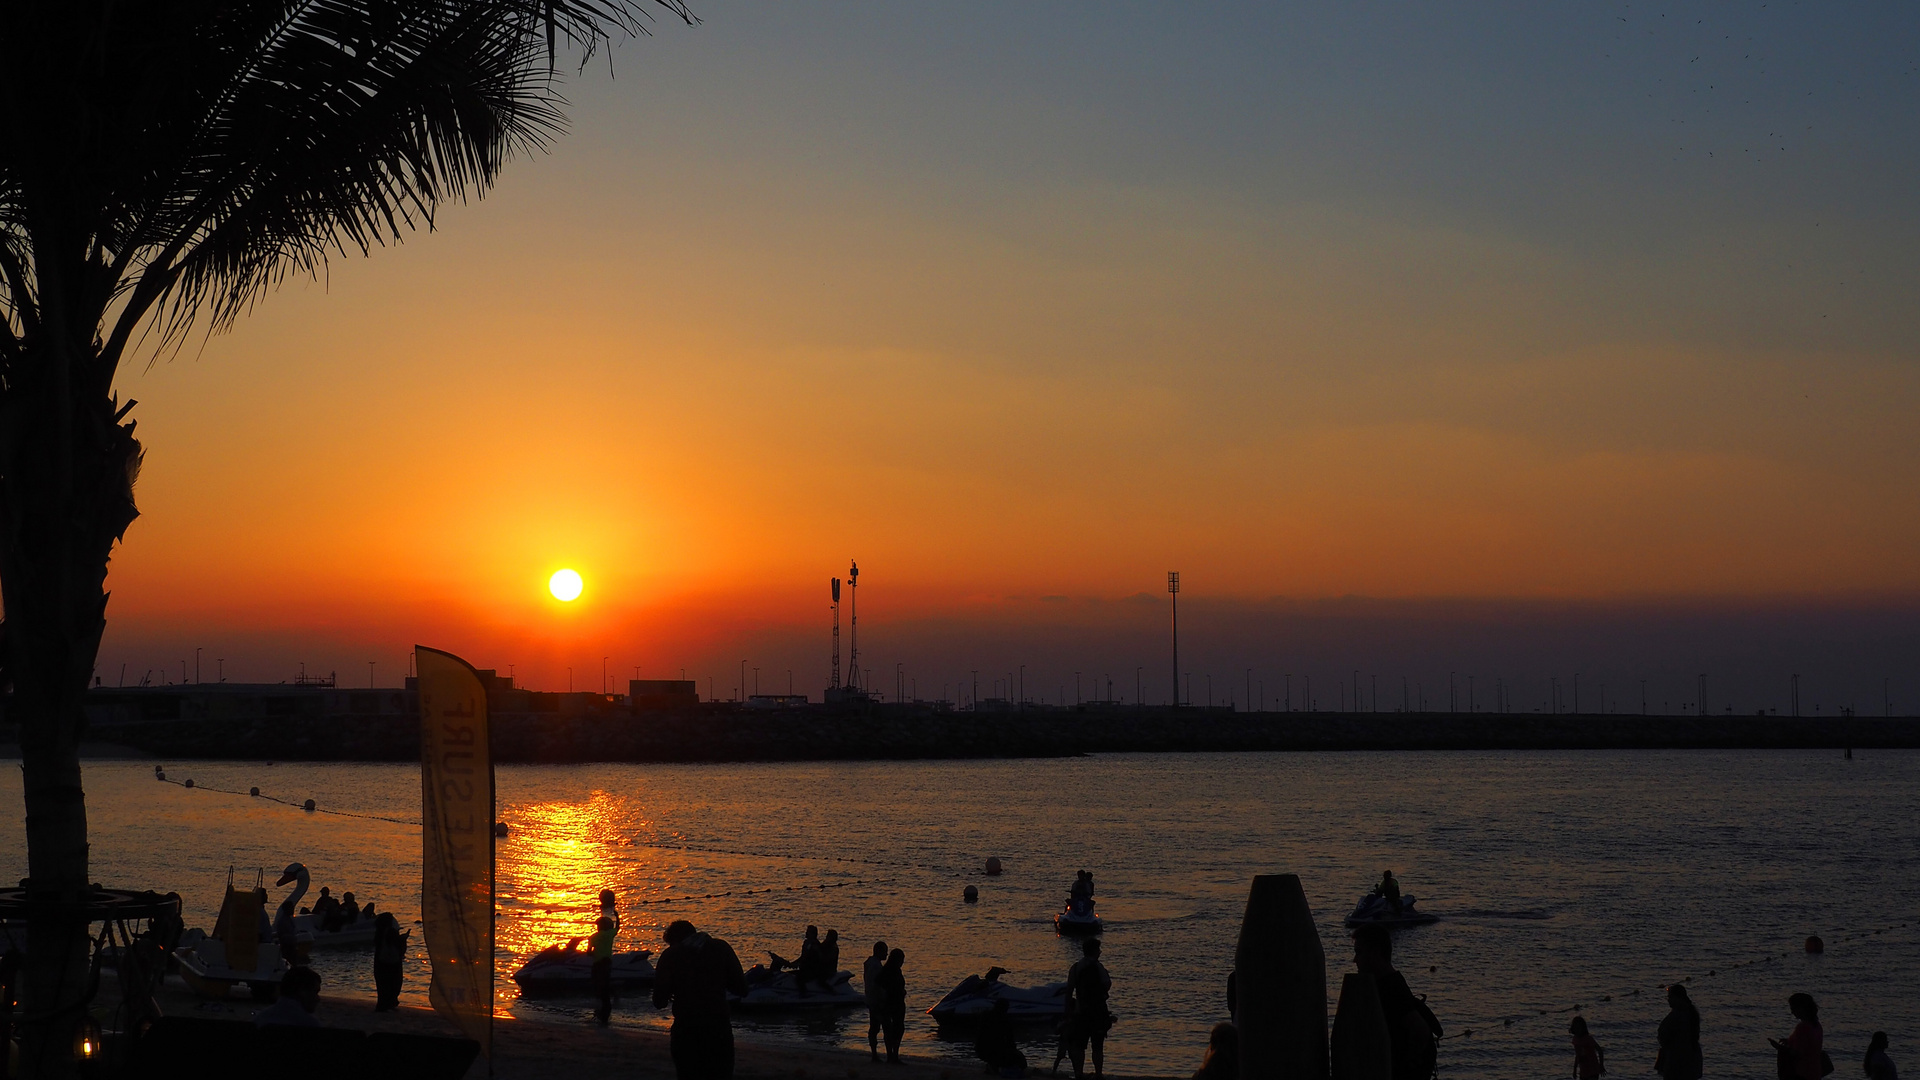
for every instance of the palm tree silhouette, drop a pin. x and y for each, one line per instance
(162, 165)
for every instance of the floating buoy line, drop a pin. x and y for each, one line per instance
(309, 806)
(500, 829)
(1502, 1024)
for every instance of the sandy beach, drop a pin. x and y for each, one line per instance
(535, 1050)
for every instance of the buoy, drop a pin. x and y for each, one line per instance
(189, 782)
(993, 866)
(1815, 945)
(159, 773)
(309, 806)
(971, 894)
(254, 791)
(499, 828)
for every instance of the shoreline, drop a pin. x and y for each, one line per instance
(531, 1049)
(905, 733)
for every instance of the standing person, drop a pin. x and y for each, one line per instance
(610, 908)
(389, 953)
(1589, 1061)
(876, 1001)
(1088, 985)
(893, 991)
(1680, 1057)
(694, 976)
(1801, 1056)
(1878, 1066)
(601, 946)
(1412, 1029)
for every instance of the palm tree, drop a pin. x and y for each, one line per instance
(163, 164)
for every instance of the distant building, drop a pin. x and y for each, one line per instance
(776, 701)
(663, 695)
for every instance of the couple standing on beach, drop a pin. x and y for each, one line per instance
(886, 986)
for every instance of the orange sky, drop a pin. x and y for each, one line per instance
(778, 302)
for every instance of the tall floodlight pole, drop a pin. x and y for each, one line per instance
(1173, 590)
(834, 682)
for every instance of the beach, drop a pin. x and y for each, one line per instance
(531, 1049)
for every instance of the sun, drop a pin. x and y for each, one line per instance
(564, 585)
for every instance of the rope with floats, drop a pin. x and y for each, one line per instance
(308, 806)
(312, 807)
(1816, 944)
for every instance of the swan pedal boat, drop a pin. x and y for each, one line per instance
(557, 972)
(769, 991)
(974, 998)
(1373, 910)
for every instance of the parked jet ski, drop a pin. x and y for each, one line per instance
(767, 989)
(973, 999)
(556, 971)
(1376, 910)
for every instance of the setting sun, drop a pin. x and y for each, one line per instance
(564, 584)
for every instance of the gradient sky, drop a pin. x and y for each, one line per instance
(1574, 312)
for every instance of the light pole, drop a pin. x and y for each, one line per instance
(1173, 590)
(603, 675)
(196, 675)
(219, 673)
(196, 665)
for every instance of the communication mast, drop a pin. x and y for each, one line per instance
(853, 627)
(835, 684)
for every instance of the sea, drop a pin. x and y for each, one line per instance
(1567, 883)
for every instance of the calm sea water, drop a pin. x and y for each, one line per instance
(1565, 879)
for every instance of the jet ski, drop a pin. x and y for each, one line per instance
(1373, 910)
(1077, 919)
(768, 990)
(973, 999)
(556, 971)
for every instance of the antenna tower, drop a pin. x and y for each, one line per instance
(835, 684)
(853, 626)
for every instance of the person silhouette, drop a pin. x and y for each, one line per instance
(1223, 1054)
(389, 957)
(604, 931)
(1801, 1055)
(1680, 1057)
(695, 975)
(1412, 1029)
(1088, 987)
(876, 999)
(1389, 889)
(1877, 1065)
(893, 1014)
(1589, 1061)
(995, 1043)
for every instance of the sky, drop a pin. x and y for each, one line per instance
(1524, 339)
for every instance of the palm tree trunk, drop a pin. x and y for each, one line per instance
(66, 471)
